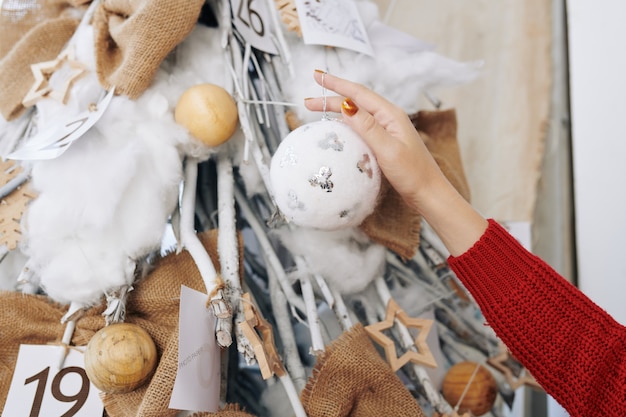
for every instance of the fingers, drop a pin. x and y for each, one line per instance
(363, 96)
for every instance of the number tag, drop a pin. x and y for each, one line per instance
(252, 20)
(333, 23)
(197, 384)
(38, 389)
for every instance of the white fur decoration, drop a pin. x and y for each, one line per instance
(325, 176)
(346, 258)
(104, 203)
(400, 70)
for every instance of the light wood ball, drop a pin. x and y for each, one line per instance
(481, 393)
(208, 112)
(120, 358)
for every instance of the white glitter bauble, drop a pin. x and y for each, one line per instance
(324, 176)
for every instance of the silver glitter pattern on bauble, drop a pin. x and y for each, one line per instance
(364, 165)
(289, 158)
(322, 179)
(293, 202)
(331, 141)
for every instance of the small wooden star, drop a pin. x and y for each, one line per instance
(42, 72)
(500, 360)
(12, 206)
(264, 347)
(422, 356)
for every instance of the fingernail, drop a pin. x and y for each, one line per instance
(308, 98)
(320, 71)
(349, 107)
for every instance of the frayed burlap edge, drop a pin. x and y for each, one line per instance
(42, 43)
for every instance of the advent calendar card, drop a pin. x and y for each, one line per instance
(40, 389)
(333, 23)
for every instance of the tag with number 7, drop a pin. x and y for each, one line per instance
(39, 389)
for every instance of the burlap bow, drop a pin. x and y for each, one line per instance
(132, 37)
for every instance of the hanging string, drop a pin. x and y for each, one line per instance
(324, 114)
(458, 404)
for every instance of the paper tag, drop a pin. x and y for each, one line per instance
(197, 385)
(51, 143)
(251, 18)
(38, 388)
(333, 23)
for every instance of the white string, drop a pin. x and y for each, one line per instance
(324, 115)
(456, 407)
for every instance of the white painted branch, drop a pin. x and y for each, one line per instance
(192, 244)
(294, 397)
(267, 248)
(313, 320)
(291, 357)
(342, 312)
(68, 333)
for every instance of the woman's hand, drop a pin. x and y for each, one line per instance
(403, 159)
(388, 131)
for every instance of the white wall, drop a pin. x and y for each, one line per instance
(597, 33)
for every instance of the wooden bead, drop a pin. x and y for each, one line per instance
(481, 393)
(208, 112)
(120, 358)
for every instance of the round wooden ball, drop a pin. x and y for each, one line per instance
(208, 112)
(481, 393)
(120, 358)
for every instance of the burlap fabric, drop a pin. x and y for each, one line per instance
(230, 410)
(394, 223)
(132, 37)
(41, 43)
(153, 305)
(351, 379)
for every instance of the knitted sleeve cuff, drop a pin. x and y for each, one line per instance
(494, 265)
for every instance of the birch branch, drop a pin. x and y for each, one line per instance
(267, 248)
(189, 239)
(285, 330)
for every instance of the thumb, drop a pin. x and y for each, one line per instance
(364, 124)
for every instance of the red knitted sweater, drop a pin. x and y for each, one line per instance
(574, 349)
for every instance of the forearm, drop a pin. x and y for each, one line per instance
(455, 221)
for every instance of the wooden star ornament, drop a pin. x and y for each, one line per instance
(12, 206)
(262, 341)
(500, 361)
(422, 356)
(43, 71)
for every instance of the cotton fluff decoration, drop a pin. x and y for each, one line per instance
(401, 70)
(103, 204)
(324, 176)
(346, 258)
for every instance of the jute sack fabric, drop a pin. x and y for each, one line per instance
(153, 305)
(41, 43)
(132, 37)
(351, 379)
(230, 410)
(18, 17)
(394, 223)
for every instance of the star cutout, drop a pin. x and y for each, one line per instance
(423, 355)
(264, 348)
(42, 72)
(499, 361)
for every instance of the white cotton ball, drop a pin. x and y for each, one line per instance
(347, 259)
(324, 176)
